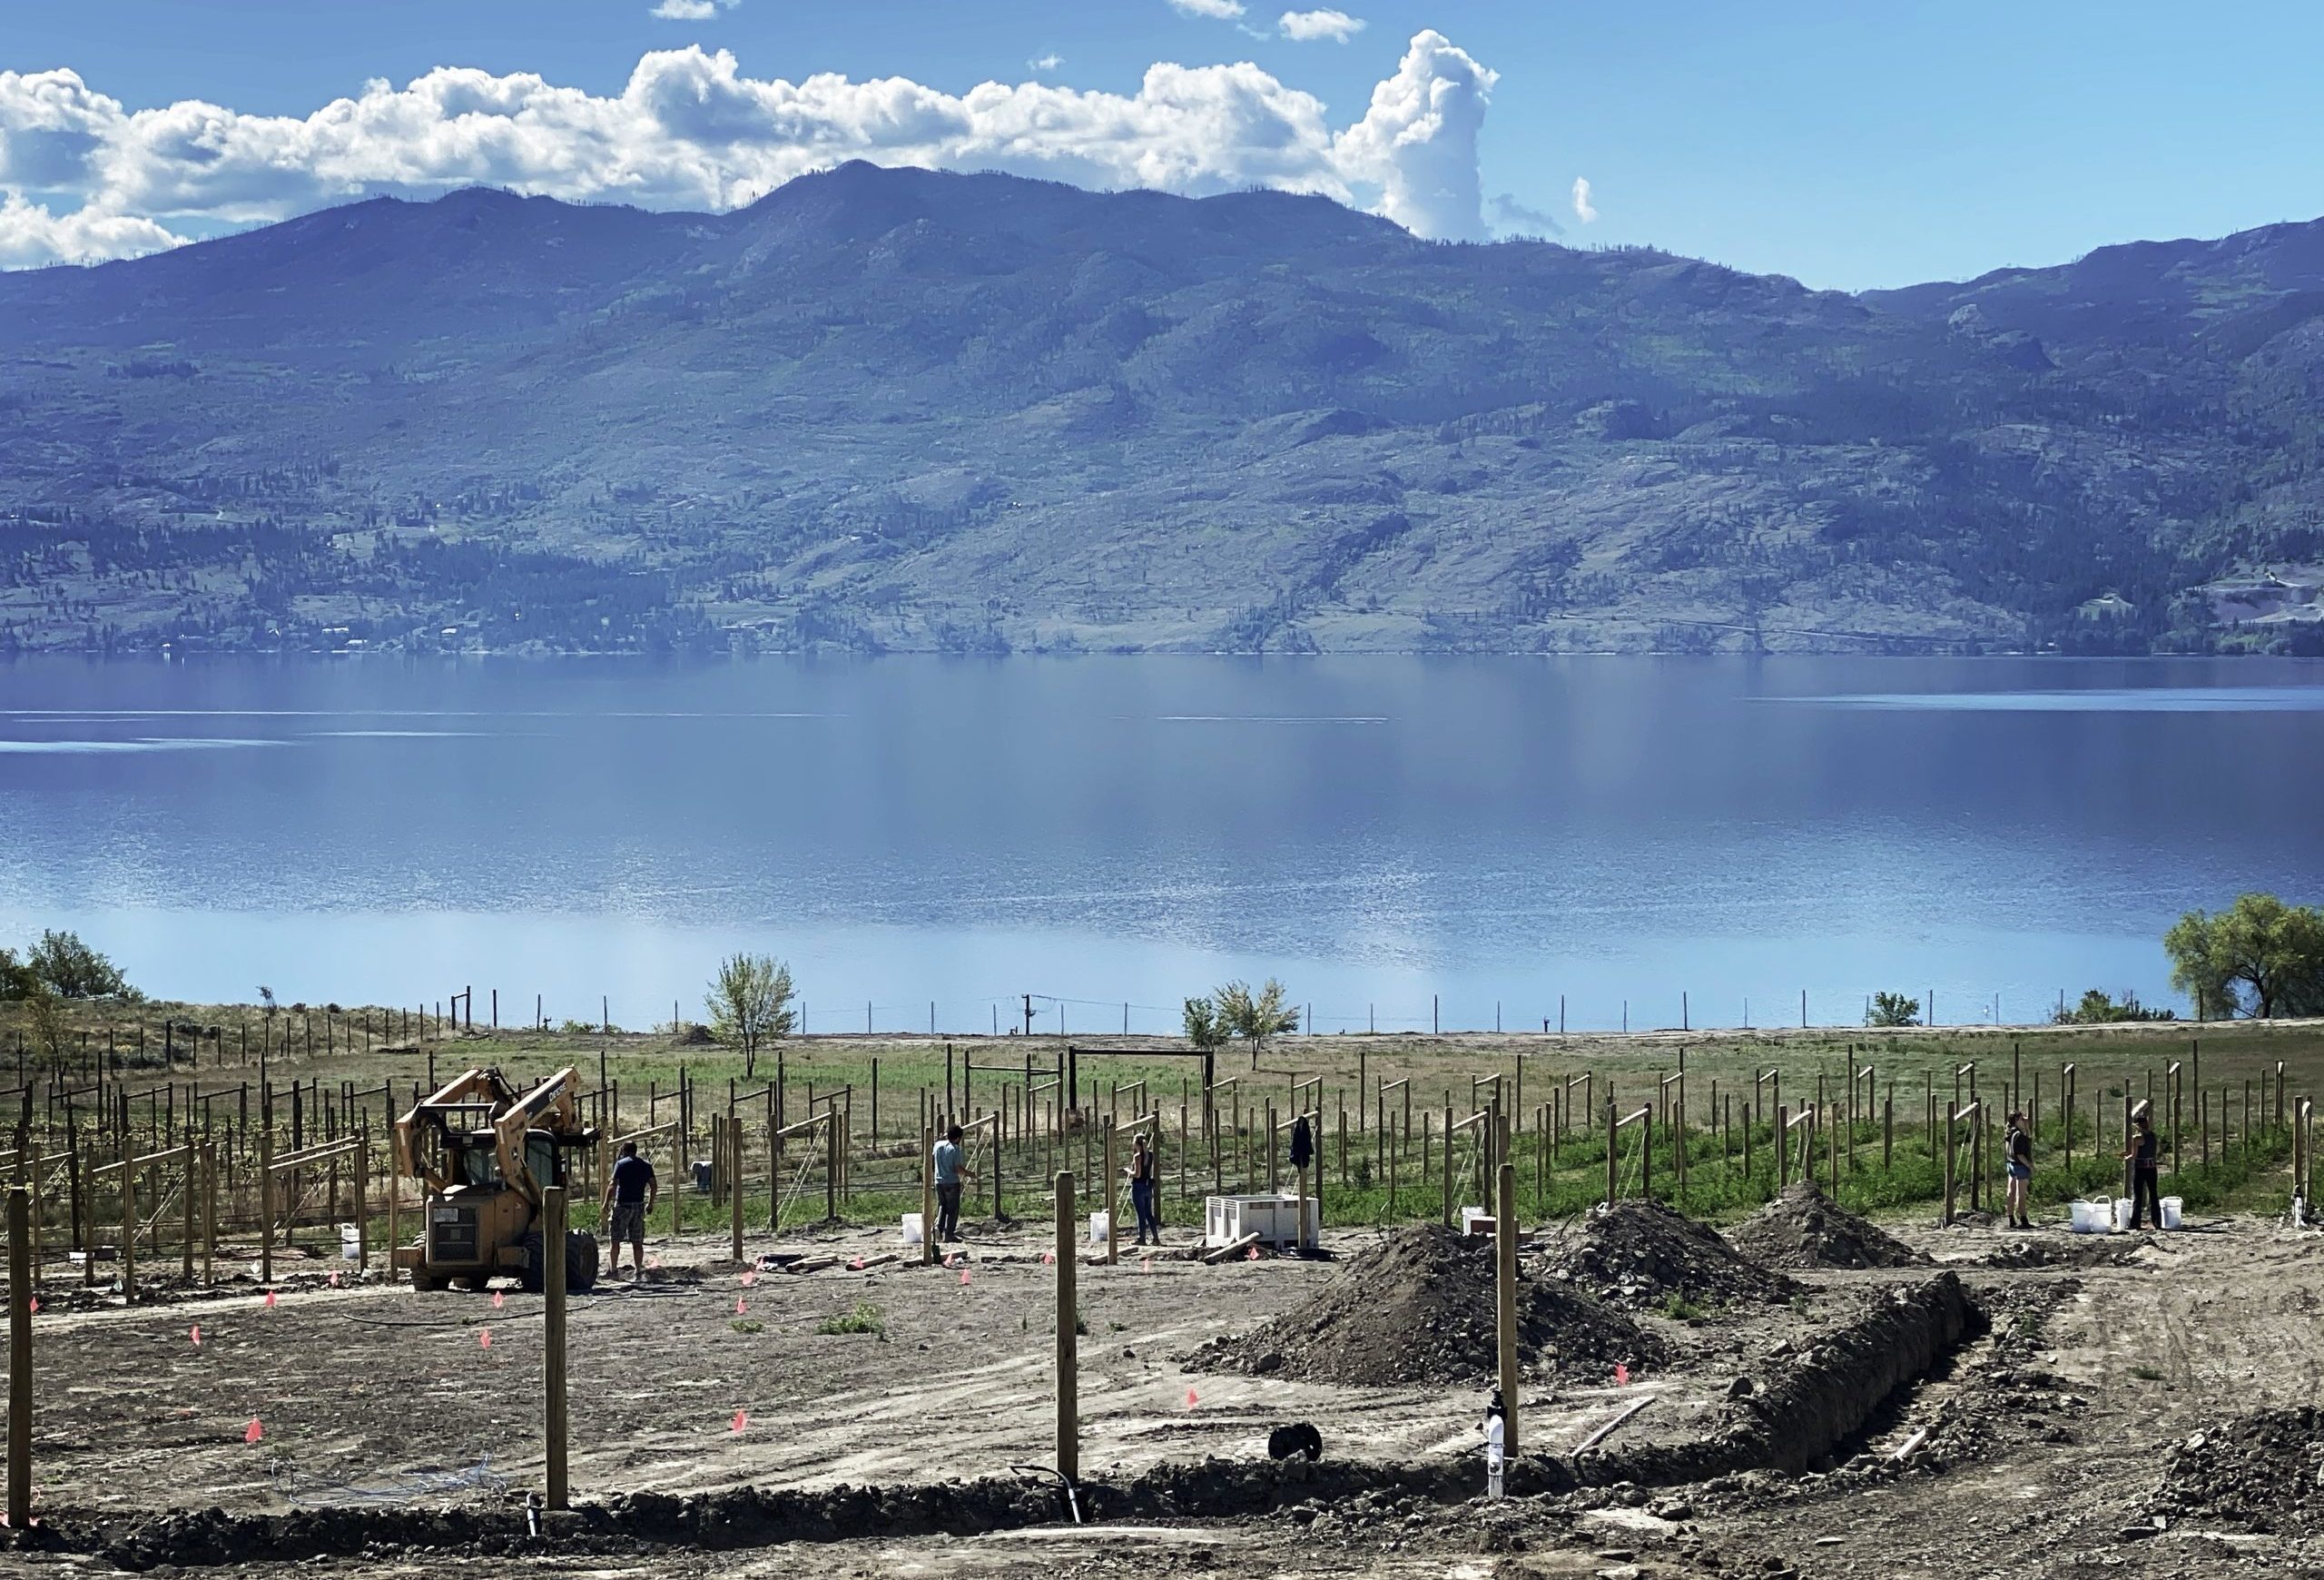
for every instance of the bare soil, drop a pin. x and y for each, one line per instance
(2155, 1415)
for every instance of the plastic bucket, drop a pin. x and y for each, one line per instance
(912, 1231)
(2123, 1209)
(2081, 1213)
(1100, 1225)
(2171, 1206)
(350, 1242)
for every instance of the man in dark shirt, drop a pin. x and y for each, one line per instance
(2146, 1170)
(630, 1195)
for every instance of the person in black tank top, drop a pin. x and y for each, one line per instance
(2018, 1151)
(2146, 1169)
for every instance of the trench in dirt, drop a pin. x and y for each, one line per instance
(1843, 1388)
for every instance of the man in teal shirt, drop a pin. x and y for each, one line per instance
(950, 1167)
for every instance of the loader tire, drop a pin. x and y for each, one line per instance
(529, 1278)
(580, 1261)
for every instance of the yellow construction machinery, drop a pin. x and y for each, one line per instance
(483, 1154)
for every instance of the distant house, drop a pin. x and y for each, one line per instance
(2108, 607)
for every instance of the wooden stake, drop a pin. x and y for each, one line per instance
(1068, 1378)
(553, 1358)
(735, 1184)
(1504, 1238)
(20, 1360)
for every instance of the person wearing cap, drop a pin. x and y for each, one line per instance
(951, 1168)
(2017, 1148)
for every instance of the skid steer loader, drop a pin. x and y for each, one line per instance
(483, 1153)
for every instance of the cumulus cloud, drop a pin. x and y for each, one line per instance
(87, 178)
(1308, 25)
(1419, 140)
(1218, 10)
(1512, 218)
(31, 237)
(1046, 62)
(684, 10)
(1583, 209)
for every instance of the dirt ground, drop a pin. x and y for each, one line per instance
(2037, 1444)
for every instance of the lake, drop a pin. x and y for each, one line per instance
(926, 840)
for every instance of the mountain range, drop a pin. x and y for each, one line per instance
(891, 409)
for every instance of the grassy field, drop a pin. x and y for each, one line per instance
(1732, 1087)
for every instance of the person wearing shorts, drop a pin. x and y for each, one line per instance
(630, 1195)
(2018, 1150)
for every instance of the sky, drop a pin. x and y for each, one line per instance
(1848, 146)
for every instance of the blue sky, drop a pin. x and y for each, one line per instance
(1849, 145)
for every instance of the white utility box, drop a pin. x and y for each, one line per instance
(1274, 1217)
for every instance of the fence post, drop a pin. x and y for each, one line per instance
(552, 1359)
(1069, 1383)
(1504, 1238)
(20, 1360)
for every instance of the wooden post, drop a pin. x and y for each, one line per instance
(927, 1196)
(1949, 1119)
(553, 1356)
(128, 1222)
(209, 1213)
(1448, 1166)
(1613, 1177)
(1782, 1146)
(20, 1360)
(1504, 1245)
(1068, 1379)
(395, 1208)
(735, 1184)
(362, 1207)
(1112, 1197)
(679, 1183)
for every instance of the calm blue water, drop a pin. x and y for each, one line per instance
(1099, 831)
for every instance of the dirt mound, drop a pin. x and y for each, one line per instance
(2076, 1250)
(1641, 1254)
(2260, 1472)
(1419, 1309)
(1802, 1227)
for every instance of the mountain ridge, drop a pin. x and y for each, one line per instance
(884, 408)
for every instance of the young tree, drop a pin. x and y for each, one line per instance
(75, 971)
(750, 1002)
(1255, 1017)
(1892, 1010)
(2258, 957)
(1203, 1029)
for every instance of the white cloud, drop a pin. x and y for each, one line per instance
(1419, 140)
(31, 237)
(1583, 209)
(1306, 26)
(1046, 62)
(89, 178)
(1514, 217)
(684, 10)
(1216, 10)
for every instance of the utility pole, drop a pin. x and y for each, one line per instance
(1029, 1014)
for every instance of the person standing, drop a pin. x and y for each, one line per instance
(630, 1195)
(951, 1168)
(2018, 1150)
(1142, 1182)
(2146, 1169)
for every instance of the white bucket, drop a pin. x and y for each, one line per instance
(2080, 1215)
(350, 1242)
(912, 1231)
(2171, 1206)
(2123, 1209)
(1101, 1226)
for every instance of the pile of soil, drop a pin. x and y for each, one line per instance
(1640, 1253)
(1419, 1309)
(2260, 1472)
(1802, 1227)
